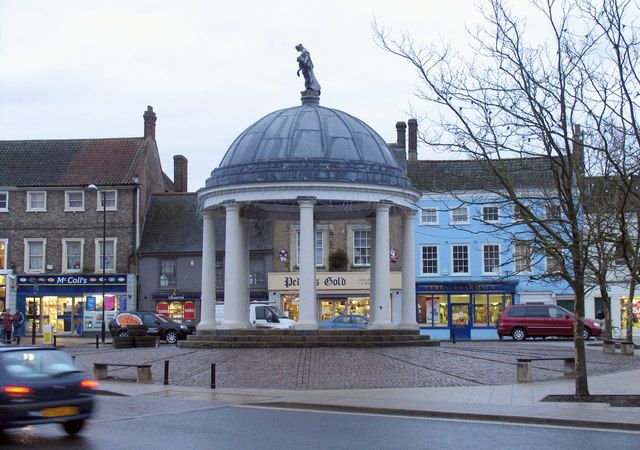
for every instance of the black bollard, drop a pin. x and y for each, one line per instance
(73, 358)
(97, 341)
(18, 340)
(166, 372)
(55, 338)
(213, 375)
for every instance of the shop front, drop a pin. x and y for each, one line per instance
(3, 292)
(462, 311)
(71, 304)
(336, 292)
(178, 306)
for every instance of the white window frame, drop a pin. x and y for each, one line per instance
(423, 220)
(547, 268)
(353, 247)
(30, 208)
(482, 209)
(460, 222)
(484, 250)
(98, 259)
(422, 249)
(67, 207)
(6, 199)
(453, 272)
(6, 253)
(175, 273)
(65, 254)
(316, 253)
(524, 259)
(99, 197)
(27, 242)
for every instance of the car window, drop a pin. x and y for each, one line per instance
(556, 312)
(34, 363)
(516, 311)
(148, 319)
(341, 319)
(537, 311)
(260, 313)
(358, 319)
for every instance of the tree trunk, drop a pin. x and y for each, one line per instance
(606, 302)
(632, 292)
(582, 385)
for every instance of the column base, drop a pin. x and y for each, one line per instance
(408, 326)
(232, 325)
(382, 326)
(206, 327)
(306, 326)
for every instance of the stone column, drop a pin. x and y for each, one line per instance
(408, 318)
(372, 268)
(307, 318)
(244, 272)
(234, 286)
(381, 309)
(208, 294)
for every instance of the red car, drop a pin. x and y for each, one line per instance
(541, 320)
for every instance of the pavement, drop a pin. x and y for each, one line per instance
(466, 381)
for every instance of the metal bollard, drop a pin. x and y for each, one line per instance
(73, 358)
(97, 341)
(166, 372)
(18, 340)
(55, 339)
(213, 375)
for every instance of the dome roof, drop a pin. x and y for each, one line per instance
(309, 143)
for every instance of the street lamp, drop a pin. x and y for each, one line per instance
(104, 250)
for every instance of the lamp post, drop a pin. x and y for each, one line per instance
(104, 252)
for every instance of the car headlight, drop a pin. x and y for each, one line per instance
(183, 327)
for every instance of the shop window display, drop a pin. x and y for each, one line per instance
(290, 306)
(635, 311)
(432, 310)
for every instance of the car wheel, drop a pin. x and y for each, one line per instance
(518, 334)
(171, 337)
(123, 333)
(586, 334)
(73, 426)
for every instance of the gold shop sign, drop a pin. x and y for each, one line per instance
(330, 281)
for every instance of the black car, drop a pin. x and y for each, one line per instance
(43, 385)
(160, 326)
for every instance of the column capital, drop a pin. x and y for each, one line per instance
(384, 205)
(306, 201)
(410, 213)
(208, 214)
(231, 205)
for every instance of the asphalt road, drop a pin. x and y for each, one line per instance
(161, 423)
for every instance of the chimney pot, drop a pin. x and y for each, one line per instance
(149, 123)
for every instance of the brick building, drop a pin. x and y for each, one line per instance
(57, 200)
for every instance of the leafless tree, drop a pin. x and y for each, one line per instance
(523, 95)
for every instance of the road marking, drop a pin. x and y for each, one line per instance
(441, 419)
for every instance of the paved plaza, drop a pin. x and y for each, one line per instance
(451, 365)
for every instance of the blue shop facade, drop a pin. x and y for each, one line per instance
(72, 304)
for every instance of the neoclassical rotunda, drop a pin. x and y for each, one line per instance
(306, 163)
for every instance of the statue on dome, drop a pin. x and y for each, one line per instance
(305, 65)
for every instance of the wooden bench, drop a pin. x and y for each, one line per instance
(524, 367)
(144, 371)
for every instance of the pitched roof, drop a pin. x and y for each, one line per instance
(71, 162)
(173, 224)
(461, 175)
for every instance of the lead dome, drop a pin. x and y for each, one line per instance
(309, 143)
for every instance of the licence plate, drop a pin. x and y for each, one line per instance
(60, 411)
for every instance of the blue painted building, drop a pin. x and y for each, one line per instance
(473, 257)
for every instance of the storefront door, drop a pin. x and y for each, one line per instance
(460, 313)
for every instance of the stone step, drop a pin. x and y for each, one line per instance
(308, 338)
(303, 344)
(274, 331)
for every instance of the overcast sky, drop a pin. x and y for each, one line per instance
(85, 69)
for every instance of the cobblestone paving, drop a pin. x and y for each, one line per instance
(461, 364)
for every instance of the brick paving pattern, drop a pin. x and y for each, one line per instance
(462, 364)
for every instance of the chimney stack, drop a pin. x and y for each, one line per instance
(179, 173)
(149, 123)
(401, 128)
(413, 140)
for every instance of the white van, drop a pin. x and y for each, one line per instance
(262, 315)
